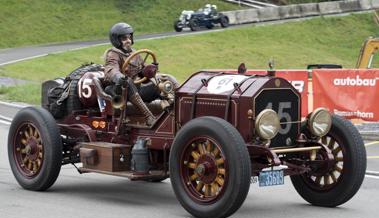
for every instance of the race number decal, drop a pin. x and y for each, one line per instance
(85, 88)
(284, 116)
(224, 83)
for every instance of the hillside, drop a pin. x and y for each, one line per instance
(291, 45)
(25, 22)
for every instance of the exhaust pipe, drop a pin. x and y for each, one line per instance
(117, 101)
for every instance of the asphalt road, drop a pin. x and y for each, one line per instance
(12, 55)
(95, 195)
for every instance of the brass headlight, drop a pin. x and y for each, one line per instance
(166, 87)
(267, 124)
(320, 122)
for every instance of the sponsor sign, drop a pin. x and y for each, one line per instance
(350, 93)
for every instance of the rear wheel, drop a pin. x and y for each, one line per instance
(224, 21)
(178, 26)
(210, 168)
(333, 185)
(34, 149)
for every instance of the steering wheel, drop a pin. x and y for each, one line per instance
(128, 60)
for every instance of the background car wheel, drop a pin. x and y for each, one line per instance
(333, 186)
(210, 168)
(34, 148)
(209, 26)
(194, 24)
(224, 21)
(177, 26)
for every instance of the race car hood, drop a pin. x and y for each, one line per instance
(220, 83)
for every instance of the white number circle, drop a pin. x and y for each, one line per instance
(224, 83)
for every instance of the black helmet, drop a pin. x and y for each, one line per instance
(118, 30)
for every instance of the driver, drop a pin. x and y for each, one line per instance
(121, 37)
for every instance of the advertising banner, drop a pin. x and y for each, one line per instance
(350, 93)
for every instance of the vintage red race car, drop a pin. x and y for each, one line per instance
(213, 133)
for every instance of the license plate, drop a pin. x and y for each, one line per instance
(271, 178)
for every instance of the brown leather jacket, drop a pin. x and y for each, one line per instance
(114, 59)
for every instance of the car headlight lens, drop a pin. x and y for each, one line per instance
(320, 122)
(267, 124)
(166, 87)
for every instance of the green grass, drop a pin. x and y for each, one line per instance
(28, 93)
(291, 45)
(25, 22)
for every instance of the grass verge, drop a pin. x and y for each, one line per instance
(25, 22)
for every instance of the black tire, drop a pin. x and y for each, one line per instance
(194, 24)
(45, 131)
(177, 26)
(209, 26)
(73, 102)
(224, 21)
(351, 177)
(238, 169)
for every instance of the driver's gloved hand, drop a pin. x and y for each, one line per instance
(120, 80)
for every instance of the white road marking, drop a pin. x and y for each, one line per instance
(22, 59)
(375, 173)
(14, 105)
(372, 177)
(372, 143)
(5, 122)
(5, 118)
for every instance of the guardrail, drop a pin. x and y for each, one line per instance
(299, 10)
(251, 3)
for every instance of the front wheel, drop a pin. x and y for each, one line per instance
(194, 25)
(34, 149)
(210, 168)
(333, 185)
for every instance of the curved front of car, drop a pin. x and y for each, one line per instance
(240, 99)
(285, 101)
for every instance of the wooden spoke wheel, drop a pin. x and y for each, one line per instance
(34, 148)
(28, 150)
(203, 169)
(327, 177)
(332, 184)
(210, 167)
